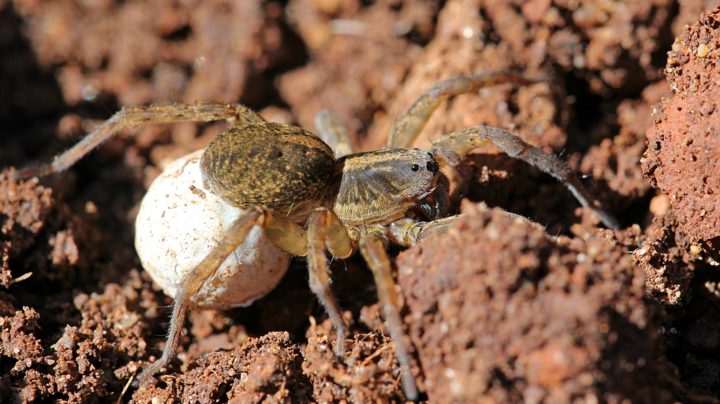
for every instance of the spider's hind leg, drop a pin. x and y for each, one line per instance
(280, 229)
(142, 116)
(332, 132)
(234, 236)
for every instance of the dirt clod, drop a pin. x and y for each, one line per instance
(500, 309)
(683, 155)
(369, 372)
(260, 369)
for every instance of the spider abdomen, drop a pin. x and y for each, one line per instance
(277, 166)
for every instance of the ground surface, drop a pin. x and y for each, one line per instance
(495, 307)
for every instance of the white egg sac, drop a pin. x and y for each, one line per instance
(180, 221)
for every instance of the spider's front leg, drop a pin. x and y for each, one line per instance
(452, 147)
(143, 116)
(408, 125)
(372, 247)
(408, 232)
(282, 231)
(326, 232)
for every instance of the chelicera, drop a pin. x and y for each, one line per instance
(311, 195)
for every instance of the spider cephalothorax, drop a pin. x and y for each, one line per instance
(382, 186)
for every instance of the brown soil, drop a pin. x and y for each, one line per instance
(495, 308)
(684, 138)
(519, 316)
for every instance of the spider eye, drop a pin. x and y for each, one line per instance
(432, 166)
(415, 167)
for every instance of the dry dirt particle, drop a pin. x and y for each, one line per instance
(24, 207)
(175, 51)
(669, 269)
(689, 11)
(683, 155)
(500, 310)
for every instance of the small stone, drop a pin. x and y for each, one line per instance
(702, 50)
(695, 249)
(660, 205)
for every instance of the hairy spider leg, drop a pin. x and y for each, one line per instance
(282, 231)
(408, 124)
(372, 249)
(327, 233)
(454, 146)
(408, 232)
(129, 117)
(332, 132)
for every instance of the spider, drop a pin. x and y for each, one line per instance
(310, 200)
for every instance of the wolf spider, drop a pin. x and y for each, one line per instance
(286, 177)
